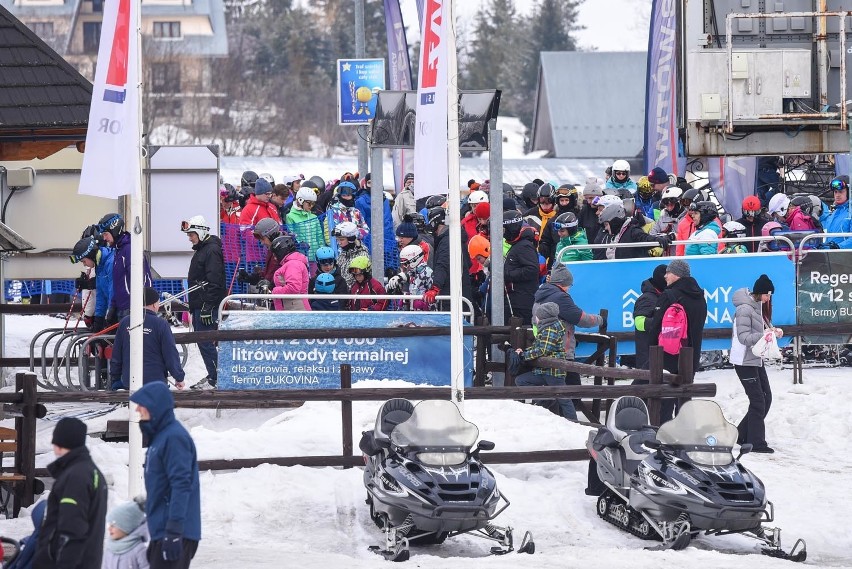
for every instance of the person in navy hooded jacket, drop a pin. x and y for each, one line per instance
(173, 504)
(159, 352)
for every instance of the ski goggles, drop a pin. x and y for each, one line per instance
(186, 227)
(559, 226)
(356, 272)
(91, 247)
(839, 185)
(620, 172)
(324, 262)
(751, 212)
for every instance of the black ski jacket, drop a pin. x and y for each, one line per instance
(690, 295)
(520, 271)
(72, 536)
(643, 310)
(207, 265)
(588, 218)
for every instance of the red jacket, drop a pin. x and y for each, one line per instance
(371, 286)
(255, 210)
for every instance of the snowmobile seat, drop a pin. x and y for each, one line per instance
(392, 413)
(627, 417)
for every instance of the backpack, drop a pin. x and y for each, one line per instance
(674, 329)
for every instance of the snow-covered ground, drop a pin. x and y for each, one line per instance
(273, 516)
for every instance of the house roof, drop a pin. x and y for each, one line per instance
(590, 104)
(11, 242)
(44, 101)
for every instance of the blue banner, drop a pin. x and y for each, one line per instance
(662, 143)
(314, 363)
(732, 179)
(400, 80)
(358, 81)
(616, 284)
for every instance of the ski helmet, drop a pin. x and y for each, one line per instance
(435, 201)
(809, 205)
(477, 197)
(196, 224)
(612, 212)
(320, 183)
(347, 189)
(362, 263)
(267, 227)
(248, 179)
(85, 248)
(621, 166)
(529, 192)
(325, 283)
(478, 245)
(282, 246)
(346, 229)
(324, 256)
(707, 212)
(419, 222)
(513, 221)
(734, 229)
(567, 220)
(751, 206)
(778, 205)
(607, 200)
(769, 227)
(671, 195)
(646, 190)
(436, 216)
(113, 224)
(268, 178)
(547, 190)
(305, 195)
(411, 256)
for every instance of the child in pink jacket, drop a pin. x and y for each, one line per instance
(292, 276)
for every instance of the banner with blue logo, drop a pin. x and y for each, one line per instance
(358, 81)
(616, 284)
(314, 363)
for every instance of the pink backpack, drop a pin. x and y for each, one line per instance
(674, 329)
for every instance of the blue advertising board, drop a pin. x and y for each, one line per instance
(358, 81)
(314, 363)
(616, 284)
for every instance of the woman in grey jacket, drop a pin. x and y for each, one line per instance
(749, 325)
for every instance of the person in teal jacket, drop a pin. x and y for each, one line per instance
(304, 224)
(840, 219)
(568, 229)
(704, 216)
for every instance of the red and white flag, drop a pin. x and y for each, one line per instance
(111, 162)
(431, 171)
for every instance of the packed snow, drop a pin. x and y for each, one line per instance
(272, 516)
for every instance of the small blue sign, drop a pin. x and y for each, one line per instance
(314, 363)
(358, 82)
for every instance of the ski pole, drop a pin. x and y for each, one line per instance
(234, 276)
(83, 310)
(73, 300)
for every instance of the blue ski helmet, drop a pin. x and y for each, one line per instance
(325, 283)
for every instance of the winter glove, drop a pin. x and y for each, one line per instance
(110, 318)
(264, 285)
(829, 245)
(172, 544)
(89, 322)
(207, 314)
(97, 323)
(429, 295)
(656, 251)
(252, 278)
(84, 283)
(664, 242)
(396, 284)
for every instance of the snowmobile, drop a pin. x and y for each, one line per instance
(425, 481)
(674, 483)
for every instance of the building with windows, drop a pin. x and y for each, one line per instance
(182, 42)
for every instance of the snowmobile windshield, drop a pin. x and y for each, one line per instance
(701, 429)
(438, 432)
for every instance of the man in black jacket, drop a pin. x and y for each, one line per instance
(207, 271)
(159, 352)
(437, 217)
(684, 289)
(72, 536)
(643, 309)
(520, 269)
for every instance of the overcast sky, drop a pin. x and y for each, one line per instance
(610, 25)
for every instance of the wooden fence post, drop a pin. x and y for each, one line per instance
(346, 411)
(518, 339)
(26, 444)
(655, 366)
(685, 371)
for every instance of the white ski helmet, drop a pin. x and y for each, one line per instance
(305, 195)
(620, 166)
(346, 229)
(477, 197)
(268, 177)
(734, 229)
(411, 256)
(778, 204)
(607, 200)
(672, 192)
(196, 224)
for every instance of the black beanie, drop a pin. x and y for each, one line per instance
(69, 433)
(762, 285)
(150, 296)
(659, 277)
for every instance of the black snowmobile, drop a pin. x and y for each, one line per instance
(674, 483)
(425, 481)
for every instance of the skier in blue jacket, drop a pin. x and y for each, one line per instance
(112, 231)
(839, 220)
(173, 504)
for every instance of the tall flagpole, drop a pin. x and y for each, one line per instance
(454, 213)
(137, 246)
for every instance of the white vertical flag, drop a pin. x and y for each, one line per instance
(111, 162)
(430, 142)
